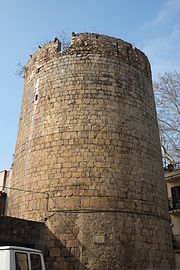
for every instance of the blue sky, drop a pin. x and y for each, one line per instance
(152, 26)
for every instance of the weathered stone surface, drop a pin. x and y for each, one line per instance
(88, 136)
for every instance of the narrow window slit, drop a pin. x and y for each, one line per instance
(37, 71)
(117, 45)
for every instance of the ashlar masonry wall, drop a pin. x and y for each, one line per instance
(88, 147)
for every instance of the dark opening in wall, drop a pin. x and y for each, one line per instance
(175, 192)
(117, 45)
(36, 97)
(3, 197)
(37, 71)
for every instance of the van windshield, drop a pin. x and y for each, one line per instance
(35, 262)
(21, 261)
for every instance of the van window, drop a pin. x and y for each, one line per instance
(35, 262)
(21, 261)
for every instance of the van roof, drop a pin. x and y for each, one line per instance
(20, 248)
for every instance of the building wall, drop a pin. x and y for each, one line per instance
(18, 232)
(173, 180)
(177, 258)
(5, 182)
(2, 179)
(88, 147)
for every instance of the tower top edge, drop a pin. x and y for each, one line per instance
(84, 44)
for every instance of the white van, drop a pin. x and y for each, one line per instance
(20, 258)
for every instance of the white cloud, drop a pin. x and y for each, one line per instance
(162, 48)
(160, 66)
(163, 45)
(168, 11)
(163, 52)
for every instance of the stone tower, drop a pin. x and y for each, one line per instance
(88, 151)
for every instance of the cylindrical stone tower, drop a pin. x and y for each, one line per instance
(88, 151)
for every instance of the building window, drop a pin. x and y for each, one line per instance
(175, 191)
(36, 97)
(35, 262)
(21, 261)
(3, 197)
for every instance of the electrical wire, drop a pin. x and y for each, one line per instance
(86, 210)
(24, 190)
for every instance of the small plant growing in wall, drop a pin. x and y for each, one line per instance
(64, 39)
(20, 71)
